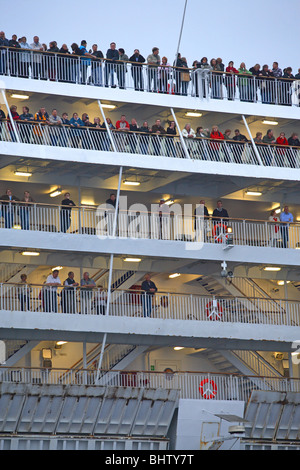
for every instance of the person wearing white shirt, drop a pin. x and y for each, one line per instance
(287, 218)
(189, 134)
(50, 292)
(37, 62)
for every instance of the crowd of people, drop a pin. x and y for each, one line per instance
(55, 63)
(78, 138)
(93, 298)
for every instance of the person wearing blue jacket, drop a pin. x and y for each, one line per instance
(77, 130)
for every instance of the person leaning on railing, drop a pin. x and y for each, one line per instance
(230, 83)
(50, 292)
(137, 70)
(153, 61)
(149, 289)
(68, 294)
(24, 291)
(16, 117)
(86, 293)
(287, 217)
(25, 207)
(158, 132)
(65, 213)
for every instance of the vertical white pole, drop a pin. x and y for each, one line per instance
(180, 135)
(179, 41)
(252, 141)
(107, 127)
(10, 115)
(110, 272)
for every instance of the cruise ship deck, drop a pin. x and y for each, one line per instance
(92, 358)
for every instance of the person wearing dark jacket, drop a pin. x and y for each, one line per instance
(96, 71)
(137, 70)
(8, 208)
(149, 289)
(14, 46)
(266, 87)
(287, 83)
(65, 213)
(220, 212)
(112, 55)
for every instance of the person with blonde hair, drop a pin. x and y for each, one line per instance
(163, 75)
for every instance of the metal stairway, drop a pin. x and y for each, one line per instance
(237, 361)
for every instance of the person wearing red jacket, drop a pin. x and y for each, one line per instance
(215, 135)
(230, 80)
(122, 124)
(123, 127)
(16, 117)
(281, 151)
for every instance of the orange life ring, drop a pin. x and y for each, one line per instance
(222, 230)
(208, 392)
(217, 311)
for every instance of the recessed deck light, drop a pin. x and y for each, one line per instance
(30, 253)
(22, 173)
(131, 183)
(109, 106)
(193, 114)
(272, 268)
(132, 260)
(271, 123)
(253, 193)
(20, 97)
(55, 193)
(172, 276)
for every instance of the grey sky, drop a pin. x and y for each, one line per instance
(258, 31)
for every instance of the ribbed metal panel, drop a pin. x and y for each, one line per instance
(273, 416)
(85, 410)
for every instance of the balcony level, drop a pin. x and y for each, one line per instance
(100, 145)
(40, 313)
(72, 76)
(41, 227)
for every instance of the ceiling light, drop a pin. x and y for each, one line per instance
(178, 348)
(272, 268)
(20, 97)
(281, 283)
(23, 173)
(253, 193)
(57, 268)
(131, 183)
(193, 114)
(169, 202)
(132, 260)
(30, 253)
(172, 276)
(277, 211)
(272, 123)
(59, 343)
(55, 193)
(109, 106)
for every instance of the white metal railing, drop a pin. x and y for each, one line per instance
(136, 224)
(197, 82)
(97, 138)
(193, 385)
(136, 304)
